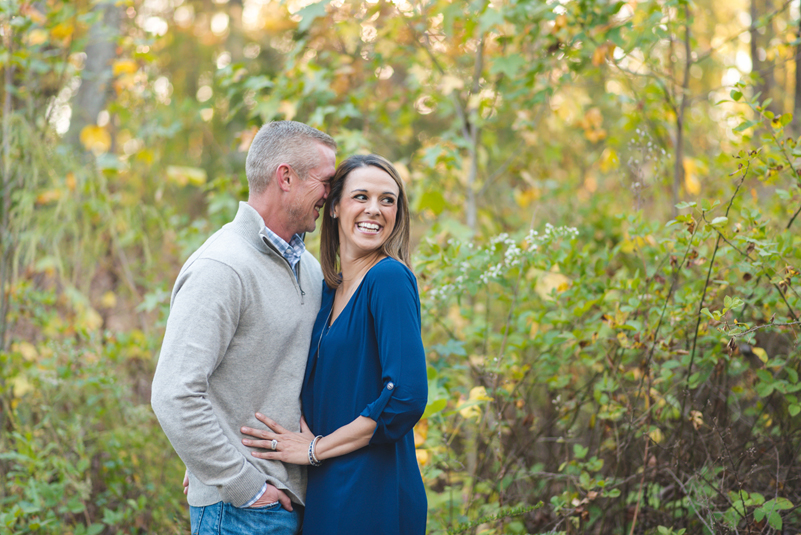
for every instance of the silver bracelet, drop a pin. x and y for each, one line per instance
(313, 460)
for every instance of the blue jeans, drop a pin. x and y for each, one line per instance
(225, 519)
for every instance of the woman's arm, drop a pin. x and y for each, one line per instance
(293, 447)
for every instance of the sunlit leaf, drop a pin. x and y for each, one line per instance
(183, 175)
(95, 138)
(124, 66)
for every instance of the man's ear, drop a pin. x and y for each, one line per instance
(284, 177)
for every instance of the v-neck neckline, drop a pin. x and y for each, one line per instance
(350, 299)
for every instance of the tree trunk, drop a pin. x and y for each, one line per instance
(797, 101)
(763, 69)
(97, 73)
(6, 236)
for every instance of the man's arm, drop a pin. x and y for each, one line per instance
(204, 315)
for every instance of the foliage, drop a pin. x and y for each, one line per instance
(606, 218)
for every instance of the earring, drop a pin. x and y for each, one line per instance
(333, 216)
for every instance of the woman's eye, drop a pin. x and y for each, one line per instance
(389, 200)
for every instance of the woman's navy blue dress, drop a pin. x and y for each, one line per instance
(369, 362)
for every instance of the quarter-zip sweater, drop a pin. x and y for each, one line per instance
(236, 343)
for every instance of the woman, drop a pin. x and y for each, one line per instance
(365, 385)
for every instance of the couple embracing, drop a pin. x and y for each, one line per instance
(273, 362)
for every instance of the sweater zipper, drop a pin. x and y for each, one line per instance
(295, 279)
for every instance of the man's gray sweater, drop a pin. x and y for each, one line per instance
(236, 343)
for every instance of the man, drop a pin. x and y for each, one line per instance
(238, 334)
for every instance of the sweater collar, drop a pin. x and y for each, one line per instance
(248, 223)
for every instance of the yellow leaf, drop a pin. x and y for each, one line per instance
(656, 435)
(183, 175)
(124, 66)
(36, 37)
(761, 353)
(125, 81)
(420, 432)
(479, 393)
(109, 300)
(95, 138)
(559, 23)
(89, 319)
(422, 457)
(46, 197)
(691, 183)
(599, 55)
(21, 386)
(548, 281)
(525, 198)
(71, 182)
(62, 31)
(470, 412)
(609, 160)
(535, 327)
(27, 350)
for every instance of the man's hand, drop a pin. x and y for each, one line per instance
(272, 495)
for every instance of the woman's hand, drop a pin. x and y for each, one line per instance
(291, 447)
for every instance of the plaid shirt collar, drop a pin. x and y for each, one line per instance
(292, 251)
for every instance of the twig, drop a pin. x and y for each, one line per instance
(642, 482)
(706, 286)
(764, 271)
(765, 326)
(689, 500)
(793, 218)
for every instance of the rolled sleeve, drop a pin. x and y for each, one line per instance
(395, 306)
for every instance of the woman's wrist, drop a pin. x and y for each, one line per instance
(319, 450)
(312, 454)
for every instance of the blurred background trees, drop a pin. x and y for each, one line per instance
(606, 200)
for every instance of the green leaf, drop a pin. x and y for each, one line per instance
(778, 504)
(309, 13)
(451, 347)
(434, 407)
(745, 126)
(508, 65)
(775, 520)
(736, 95)
(432, 200)
(719, 221)
(490, 18)
(685, 204)
(580, 451)
(794, 410)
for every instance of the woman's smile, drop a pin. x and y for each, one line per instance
(366, 211)
(369, 227)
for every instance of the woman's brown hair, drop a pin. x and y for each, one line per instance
(396, 246)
